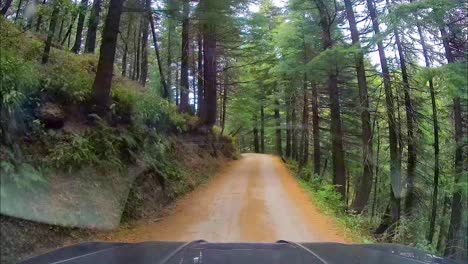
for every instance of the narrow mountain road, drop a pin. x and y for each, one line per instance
(251, 199)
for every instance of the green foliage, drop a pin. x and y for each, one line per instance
(330, 202)
(69, 77)
(155, 112)
(18, 80)
(103, 147)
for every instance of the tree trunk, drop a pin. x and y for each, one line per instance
(442, 225)
(166, 93)
(256, 140)
(62, 22)
(224, 105)
(144, 45)
(395, 157)
(279, 148)
(69, 30)
(193, 70)
(305, 127)
(138, 54)
(169, 53)
(39, 18)
(5, 8)
(177, 90)
(79, 29)
(209, 73)
(93, 23)
(18, 9)
(364, 184)
(288, 128)
(50, 34)
(200, 84)
(435, 126)
(316, 129)
(376, 177)
(103, 81)
(293, 128)
(184, 105)
(125, 52)
(262, 128)
(410, 119)
(339, 172)
(455, 236)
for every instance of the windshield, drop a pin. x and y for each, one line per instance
(233, 121)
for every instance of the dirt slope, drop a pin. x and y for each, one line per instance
(251, 199)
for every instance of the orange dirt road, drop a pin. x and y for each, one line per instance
(253, 199)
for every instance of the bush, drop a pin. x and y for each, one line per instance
(331, 203)
(155, 112)
(18, 83)
(69, 78)
(103, 147)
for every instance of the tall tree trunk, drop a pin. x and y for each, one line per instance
(138, 54)
(184, 105)
(103, 81)
(62, 22)
(435, 126)
(93, 23)
(454, 236)
(442, 225)
(144, 45)
(339, 171)
(262, 128)
(39, 18)
(69, 30)
(209, 73)
(177, 88)
(304, 155)
(193, 71)
(376, 178)
(125, 51)
(305, 126)
(288, 128)
(224, 105)
(165, 91)
(5, 7)
(18, 9)
(410, 127)
(389, 220)
(278, 145)
(316, 129)
(256, 140)
(170, 31)
(200, 84)
(293, 127)
(79, 29)
(364, 184)
(50, 34)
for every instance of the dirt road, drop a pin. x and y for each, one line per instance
(251, 199)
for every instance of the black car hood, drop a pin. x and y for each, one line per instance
(201, 252)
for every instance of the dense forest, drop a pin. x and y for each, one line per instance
(367, 96)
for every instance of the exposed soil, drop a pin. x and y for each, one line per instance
(251, 199)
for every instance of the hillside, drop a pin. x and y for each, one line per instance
(65, 168)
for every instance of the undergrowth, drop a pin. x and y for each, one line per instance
(355, 227)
